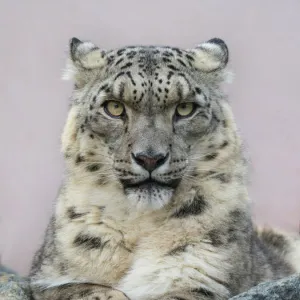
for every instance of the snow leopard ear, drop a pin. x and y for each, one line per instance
(84, 60)
(211, 55)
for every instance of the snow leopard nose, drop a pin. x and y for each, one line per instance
(150, 162)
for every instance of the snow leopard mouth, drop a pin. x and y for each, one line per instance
(150, 183)
(150, 193)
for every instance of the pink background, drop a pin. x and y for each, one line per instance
(264, 41)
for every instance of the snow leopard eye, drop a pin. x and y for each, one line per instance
(184, 110)
(114, 109)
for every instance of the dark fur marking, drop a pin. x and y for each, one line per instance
(167, 53)
(109, 61)
(85, 293)
(223, 177)
(141, 97)
(120, 52)
(93, 167)
(119, 75)
(130, 77)
(211, 156)
(172, 67)
(170, 74)
(166, 60)
(215, 236)
(194, 173)
(232, 234)
(131, 53)
(202, 291)
(236, 215)
(181, 62)
(224, 145)
(72, 214)
(178, 51)
(198, 90)
(196, 207)
(214, 122)
(179, 92)
(177, 250)
(157, 97)
(129, 64)
(89, 242)
(121, 90)
(274, 239)
(79, 159)
(177, 298)
(119, 61)
(189, 57)
(63, 267)
(237, 225)
(103, 87)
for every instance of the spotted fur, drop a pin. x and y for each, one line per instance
(154, 205)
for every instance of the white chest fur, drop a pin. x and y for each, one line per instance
(131, 251)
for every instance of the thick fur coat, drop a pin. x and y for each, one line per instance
(154, 204)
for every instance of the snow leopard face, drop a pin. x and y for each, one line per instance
(151, 119)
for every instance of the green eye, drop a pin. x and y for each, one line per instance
(184, 110)
(114, 109)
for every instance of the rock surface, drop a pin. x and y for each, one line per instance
(13, 287)
(284, 289)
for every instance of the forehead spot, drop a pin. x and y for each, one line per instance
(120, 52)
(127, 65)
(119, 61)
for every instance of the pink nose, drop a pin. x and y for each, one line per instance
(150, 162)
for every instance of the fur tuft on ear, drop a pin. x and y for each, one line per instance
(84, 58)
(211, 55)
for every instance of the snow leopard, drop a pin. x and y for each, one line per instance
(154, 203)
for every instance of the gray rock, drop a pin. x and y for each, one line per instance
(284, 289)
(13, 287)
